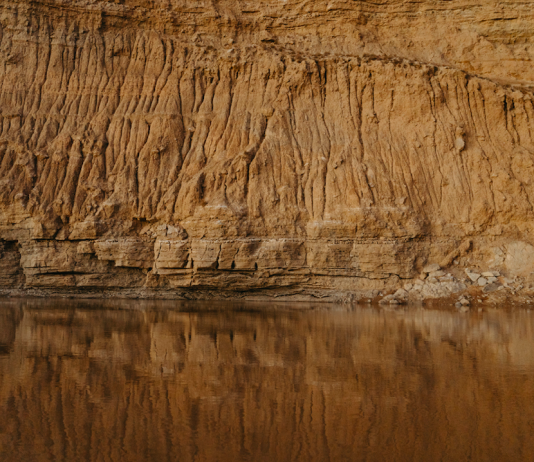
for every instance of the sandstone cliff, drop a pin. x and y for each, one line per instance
(224, 147)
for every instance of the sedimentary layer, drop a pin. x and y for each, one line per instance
(318, 149)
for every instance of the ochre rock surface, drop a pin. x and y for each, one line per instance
(252, 148)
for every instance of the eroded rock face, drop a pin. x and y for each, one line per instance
(311, 148)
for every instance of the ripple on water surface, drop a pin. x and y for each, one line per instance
(143, 381)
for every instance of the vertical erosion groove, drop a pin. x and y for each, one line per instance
(234, 149)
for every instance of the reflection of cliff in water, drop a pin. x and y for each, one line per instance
(90, 382)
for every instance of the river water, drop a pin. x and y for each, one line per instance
(171, 381)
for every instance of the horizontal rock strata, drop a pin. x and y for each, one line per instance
(203, 148)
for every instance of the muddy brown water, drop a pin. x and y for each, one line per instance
(170, 381)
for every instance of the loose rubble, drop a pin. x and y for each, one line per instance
(436, 283)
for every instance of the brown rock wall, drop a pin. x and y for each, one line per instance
(256, 139)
